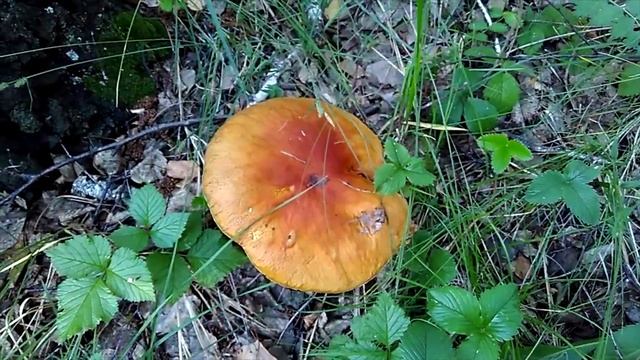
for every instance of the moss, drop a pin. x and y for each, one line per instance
(135, 81)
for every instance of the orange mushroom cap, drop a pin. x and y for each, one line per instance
(291, 181)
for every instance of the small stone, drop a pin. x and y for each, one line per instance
(150, 169)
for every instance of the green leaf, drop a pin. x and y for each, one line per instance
(571, 187)
(503, 92)
(512, 19)
(168, 229)
(128, 276)
(499, 28)
(626, 343)
(81, 256)
(130, 237)
(583, 201)
(465, 79)
(447, 109)
(82, 305)
(417, 174)
(192, 231)
(425, 342)
(396, 152)
(212, 259)
(480, 52)
(480, 115)
(166, 5)
(170, 282)
(363, 351)
(500, 308)
(441, 268)
(385, 322)
(478, 347)
(454, 309)
(502, 150)
(578, 171)
(531, 37)
(546, 188)
(389, 179)
(147, 205)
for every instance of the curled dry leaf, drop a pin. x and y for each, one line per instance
(253, 351)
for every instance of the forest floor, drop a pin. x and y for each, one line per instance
(526, 245)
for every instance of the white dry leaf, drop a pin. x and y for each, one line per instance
(182, 169)
(253, 351)
(384, 73)
(199, 5)
(187, 78)
(151, 3)
(195, 5)
(151, 168)
(175, 316)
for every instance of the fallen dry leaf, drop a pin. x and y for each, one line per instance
(384, 73)
(521, 266)
(150, 169)
(333, 9)
(254, 351)
(182, 169)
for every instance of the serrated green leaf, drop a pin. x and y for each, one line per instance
(168, 229)
(583, 201)
(82, 305)
(480, 52)
(519, 151)
(455, 309)
(130, 237)
(447, 109)
(502, 150)
(170, 281)
(546, 188)
(363, 351)
(389, 179)
(498, 27)
(128, 277)
(385, 322)
(425, 342)
(500, 309)
(465, 79)
(417, 174)
(192, 231)
(478, 347)
(396, 152)
(503, 91)
(212, 259)
(512, 19)
(441, 268)
(480, 115)
(147, 205)
(578, 171)
(81, 256)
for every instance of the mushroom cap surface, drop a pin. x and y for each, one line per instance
(293, 186)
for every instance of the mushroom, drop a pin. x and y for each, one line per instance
(291, 181)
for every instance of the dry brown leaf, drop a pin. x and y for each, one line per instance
(182, 169)
(521, 266)
(254, 351)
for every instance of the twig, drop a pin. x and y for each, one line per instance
(114, 145)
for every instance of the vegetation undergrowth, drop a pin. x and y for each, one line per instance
(513, 133)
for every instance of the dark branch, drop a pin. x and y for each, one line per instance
(92, 152)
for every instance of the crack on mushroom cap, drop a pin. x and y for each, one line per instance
(372, 221)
